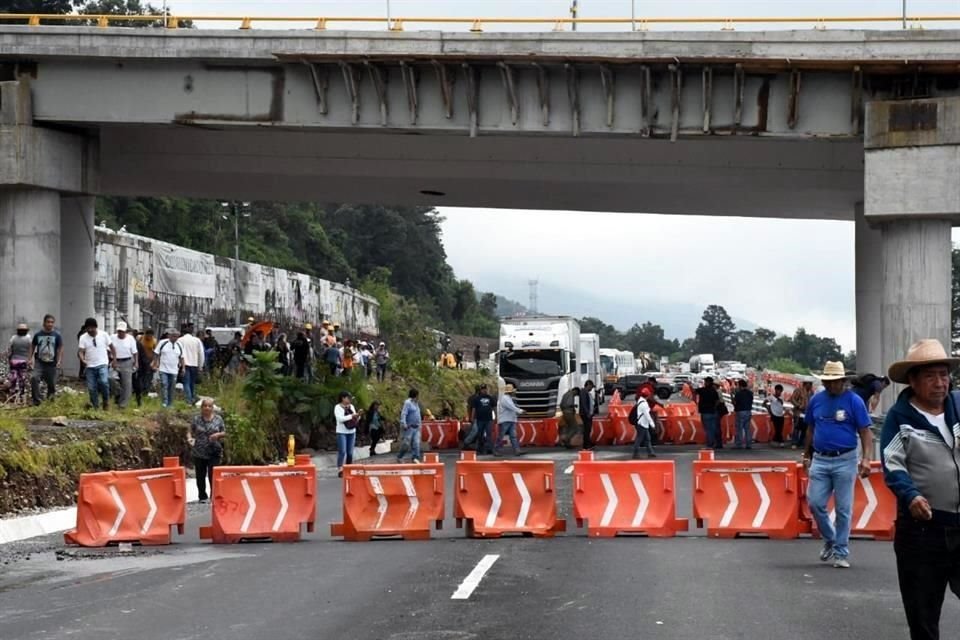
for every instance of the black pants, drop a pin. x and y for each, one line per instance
(799, 430)
(301, 368)
(928, 560)
(587, 428)
(204, 468)
(374, 439)
(777, 428)
(142, 382)
(46, 372)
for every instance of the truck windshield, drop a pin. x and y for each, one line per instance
(531, 364)
(608, 364)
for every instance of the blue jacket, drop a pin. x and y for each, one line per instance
(918, 462)
(410, 414)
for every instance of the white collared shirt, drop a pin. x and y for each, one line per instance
(125, 347)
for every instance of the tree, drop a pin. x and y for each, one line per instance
(755, 347)
(650, 338)
(786, 365)
(36, 6)
(716, 333)
(609, 336)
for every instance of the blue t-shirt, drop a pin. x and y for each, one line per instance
(836, 420)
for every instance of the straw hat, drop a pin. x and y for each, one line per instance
(833, 371)
(922, 353)
(509, 389)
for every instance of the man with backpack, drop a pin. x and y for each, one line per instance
(641, 418)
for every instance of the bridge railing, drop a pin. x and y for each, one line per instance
(477, 25)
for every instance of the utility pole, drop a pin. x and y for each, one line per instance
(236, 210)
(573, 14)
(633, 15)
(533, 295)
(388, 14)
(904, 4)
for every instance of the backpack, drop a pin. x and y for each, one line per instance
(634, 416)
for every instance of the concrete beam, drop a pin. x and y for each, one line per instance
(868, 284)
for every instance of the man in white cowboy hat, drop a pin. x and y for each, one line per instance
(835, 418)
(921, 465)
(507, 415)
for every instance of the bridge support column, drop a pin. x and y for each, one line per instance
(77, 263)
(869, 294)
(29, 257)
(912, 193)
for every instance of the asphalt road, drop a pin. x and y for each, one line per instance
(569, 587)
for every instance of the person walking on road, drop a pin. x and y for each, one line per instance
(474, 434)
(95, 353)
(483, 406)
(207, 431)
(169, 362)
(743, 413)
(374, 424)
(507, 415)
(46, 355)
(800, 399)
(777, 412)
(568, 416)
(193, 359)
(921, 465)
(125, 362)
(708, 400)
(586, 412)
(836, 417)
(410, 421)
(347, 419)
(644, 423)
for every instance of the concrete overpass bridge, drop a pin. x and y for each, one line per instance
(845, 125)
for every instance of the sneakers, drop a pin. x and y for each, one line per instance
(826, 554)
(841, 563)
(651, 455)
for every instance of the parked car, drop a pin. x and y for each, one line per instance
(679, 380)
(627, 385)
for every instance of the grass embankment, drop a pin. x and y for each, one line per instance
(40, 461)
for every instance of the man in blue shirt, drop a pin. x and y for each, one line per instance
(410, 421)
(836, 416)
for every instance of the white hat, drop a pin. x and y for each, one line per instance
(922, 353)
(121, 326)
(833, 371)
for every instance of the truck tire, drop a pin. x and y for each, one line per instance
(663, 393)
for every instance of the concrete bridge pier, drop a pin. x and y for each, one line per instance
(46, 224)
(912, 195)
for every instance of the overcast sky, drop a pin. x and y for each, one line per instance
(794, 273)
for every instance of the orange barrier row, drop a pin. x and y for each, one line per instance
(262, 503)
(736, 498)
(130, 506)
(392, 500)
(441, 434)
(495, 498)
(625, 497)
(602, 431)
(684, 430)
(874, 506)
(543, 432)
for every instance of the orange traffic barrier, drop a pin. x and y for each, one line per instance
(687, 391)
(623, 431)
(747, 498)
(130, 506)
(615, 399)
(874, 506)
(494, 498)
(602, 431)
(682, 409)
(546, 430)
(391, 500)
(441, 434)
(679, 430)
(626, 497)
(262, 503)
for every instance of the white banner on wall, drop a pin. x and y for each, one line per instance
(183, 272)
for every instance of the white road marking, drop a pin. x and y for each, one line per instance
(283, 504)
(612, 500)
(121, 510)
(644, 499)
(252, 506)
(734, 502)
(381, 500)
(525, 497)
(568, 470)
(472, 581)
(153, 509)
(764, 501)
(412, 497)
(871, 504)
(495, 499)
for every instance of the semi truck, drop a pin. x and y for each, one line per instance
(702, 363)
(538, 356)
(616, 364)
(590, 367)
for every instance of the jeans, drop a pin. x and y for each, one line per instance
(644, 439)
(125, 371)
(168, 382)
(98, 385)
(409, 441)
(507, 430)
(799, 436)
(190, 376)
(204, 469)
(486, 443)
(836, 477)
(345, 442)
(711, 424)
(46, 372)
(928, 560)
(744, 435)
(473, 435)
(381, 372)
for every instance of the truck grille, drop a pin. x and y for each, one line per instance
(537, 403)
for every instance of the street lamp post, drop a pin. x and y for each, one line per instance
(235, 211)
(573, 14)
(904, 4)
